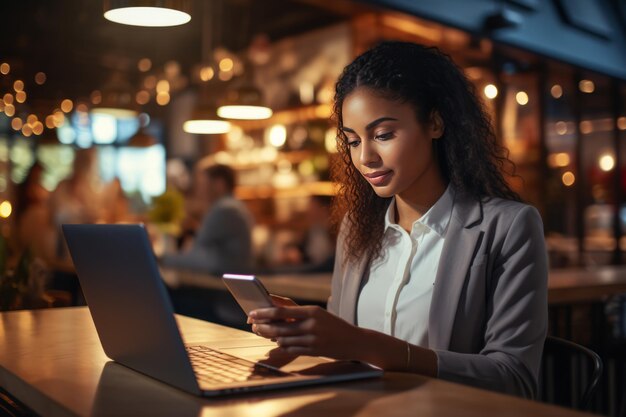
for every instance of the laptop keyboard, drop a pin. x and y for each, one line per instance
(214, 367)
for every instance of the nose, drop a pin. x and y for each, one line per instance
(369, 156)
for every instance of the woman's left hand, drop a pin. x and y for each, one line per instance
(307, 330)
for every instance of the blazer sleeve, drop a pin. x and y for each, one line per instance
(338, 272)
(517, 324)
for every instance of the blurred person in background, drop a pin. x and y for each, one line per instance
(223, 241)
(77, 199)
(116, 207)
(310, 251)
(32, 221)
(319, 242)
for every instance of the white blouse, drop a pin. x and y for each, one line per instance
(395, 298)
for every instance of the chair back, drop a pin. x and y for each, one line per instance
(570, 373)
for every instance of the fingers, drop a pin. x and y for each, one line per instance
(283, 313)
(306, 341)
(275, 330)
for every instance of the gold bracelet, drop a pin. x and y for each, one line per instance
(408, 357)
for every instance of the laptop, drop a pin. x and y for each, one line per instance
(135, 322)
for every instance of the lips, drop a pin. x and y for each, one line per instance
(378, 178)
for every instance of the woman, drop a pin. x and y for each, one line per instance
(440, 269)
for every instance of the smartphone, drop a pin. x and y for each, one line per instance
(248, 291)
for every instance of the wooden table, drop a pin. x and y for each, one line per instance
(577, 285)
(51, 360)
(564, 285)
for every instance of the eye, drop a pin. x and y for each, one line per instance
(384, 136)
(353, 143)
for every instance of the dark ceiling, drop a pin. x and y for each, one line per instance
(78, 49)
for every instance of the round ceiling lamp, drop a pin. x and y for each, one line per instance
(244, 103)
(150, 13)
(204, 121)
(116, 98)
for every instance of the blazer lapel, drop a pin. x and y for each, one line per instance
(353, 276)
(456, 257)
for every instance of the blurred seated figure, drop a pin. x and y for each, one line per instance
(311, 251)
(319, 242)
(32, 219)
(115, 203)
(77, 198)
(223, 241)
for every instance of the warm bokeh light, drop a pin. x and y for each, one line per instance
(206, 73)
(587, 86)
(206, 127)
(277, 136)
(330, 140)
(144, 65)
(556, 91)
(172, 69)
(20, 96)
(559, 160)
(27, 130)
(82, 108)
(67, 105)
(621, 123)
(163, 86)
(606, 162)
(522, 98)
(5, 68)
(491, 91)
(96, 97)
(38, 128)
(561, 128)
(40, 78)
(150, 82)
(9, 110)
(5, 209)
(586, 127)
(32, 118)
(244, 112)
(163, 98)
(59, 118)
(147, 16)
(307, 92)
(226, 64)
(142, 97)
(16, 123)
(8, 98)
(50, 122)
(18, 85)
(568, 178)
(225, 76)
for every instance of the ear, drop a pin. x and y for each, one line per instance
(436, 125)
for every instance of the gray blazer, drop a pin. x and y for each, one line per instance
(488, 315)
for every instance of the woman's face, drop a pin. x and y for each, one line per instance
(388, 145)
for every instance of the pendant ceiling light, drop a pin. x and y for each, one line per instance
(244, 100)
(244, 103)
(151, 13)
(204, 119)
(117, 99)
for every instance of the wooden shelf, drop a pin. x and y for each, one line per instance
(303, 190)
(288, 117)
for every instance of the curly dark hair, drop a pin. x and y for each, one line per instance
(468, 153)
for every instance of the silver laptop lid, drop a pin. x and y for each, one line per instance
(128, 301)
